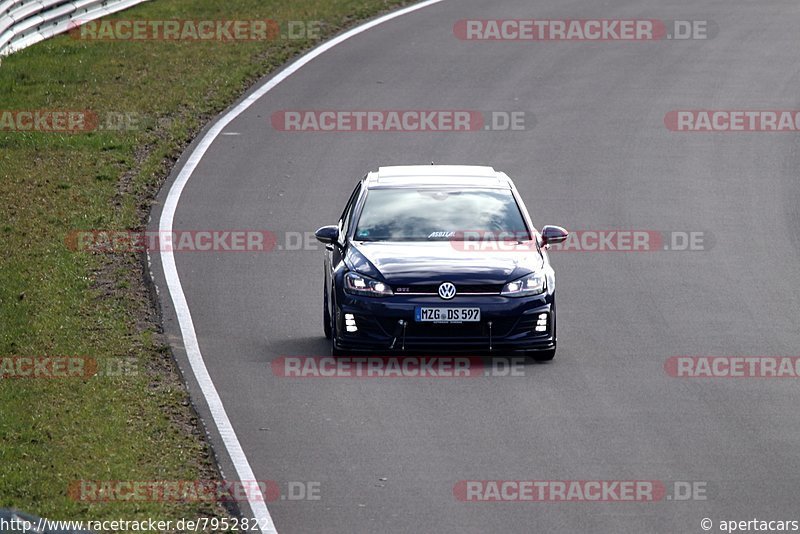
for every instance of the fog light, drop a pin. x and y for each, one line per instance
(350, 322)
(541, 323)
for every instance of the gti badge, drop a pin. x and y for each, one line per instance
(447, 291)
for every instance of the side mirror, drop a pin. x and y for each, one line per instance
(553, 234)
(327, 234)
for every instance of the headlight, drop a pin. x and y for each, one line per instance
(533, 284)
(356, 284)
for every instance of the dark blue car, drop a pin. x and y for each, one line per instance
(439, 257)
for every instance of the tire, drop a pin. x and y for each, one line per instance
(326, 316)
(334, 350)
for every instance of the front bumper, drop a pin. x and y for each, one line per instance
(379, 324)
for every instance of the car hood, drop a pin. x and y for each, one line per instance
(405, 263)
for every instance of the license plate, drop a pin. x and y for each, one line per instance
(447, 315)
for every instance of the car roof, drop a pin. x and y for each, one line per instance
(437, 176)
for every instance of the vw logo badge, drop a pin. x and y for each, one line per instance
(447, 291)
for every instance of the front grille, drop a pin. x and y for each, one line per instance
(461, 289)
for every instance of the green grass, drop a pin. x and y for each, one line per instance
(55, 301)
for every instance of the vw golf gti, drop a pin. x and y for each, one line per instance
(439, 257)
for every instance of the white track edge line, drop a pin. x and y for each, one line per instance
(219, 415)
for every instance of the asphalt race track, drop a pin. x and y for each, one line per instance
(594, 155)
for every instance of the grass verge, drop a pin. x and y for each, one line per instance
(135, 423)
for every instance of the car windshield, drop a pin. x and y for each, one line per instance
(440, 214)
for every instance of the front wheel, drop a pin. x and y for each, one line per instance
(326, 316)
(335, 351)
(333, 335)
